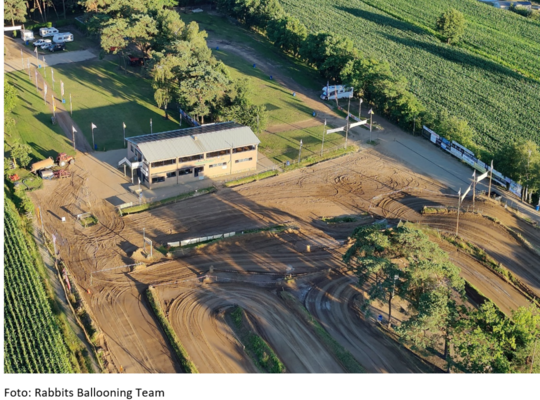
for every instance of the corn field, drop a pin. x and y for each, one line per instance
(32, 340)
(491, 78)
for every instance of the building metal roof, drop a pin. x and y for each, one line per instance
(191, 141)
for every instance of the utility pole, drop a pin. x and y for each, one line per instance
(299, 151)
(490, 175)
(323, 135)
(458, 209)
(347, 131)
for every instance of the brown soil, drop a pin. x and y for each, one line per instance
(248, 268)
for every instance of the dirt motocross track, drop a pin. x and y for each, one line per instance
(248, 269)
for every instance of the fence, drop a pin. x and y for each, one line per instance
(314, 157)
(200, 239)
(248, 174)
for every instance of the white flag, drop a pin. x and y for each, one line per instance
(465, 194)
(474, 173)
(93, 126)
(52, 75)
(62, 88)
(73, 129)
(300, 142)
(325, 122)
(123, 123)
(139, 180)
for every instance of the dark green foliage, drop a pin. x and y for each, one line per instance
(287, 33)
(252, 13)
(14, 10)
(451, 25)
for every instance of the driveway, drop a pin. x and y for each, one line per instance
(14, 62)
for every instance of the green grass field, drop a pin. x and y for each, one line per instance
(476, 81)
(103, 95)
(220, 28)
(34, 125)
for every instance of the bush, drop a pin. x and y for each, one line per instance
(49, 24)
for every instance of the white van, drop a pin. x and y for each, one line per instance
(46, 32)
(342, 91)
(63, 37)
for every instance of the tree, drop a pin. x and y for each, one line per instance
(10, 101)
(14, 10)
(203, 84)
(287, 33)
(21, 153)
(451, 25)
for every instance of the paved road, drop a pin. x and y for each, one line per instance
(14, 62)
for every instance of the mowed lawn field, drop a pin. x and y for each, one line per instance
(33, 121)
(104, 95)
(491, 79)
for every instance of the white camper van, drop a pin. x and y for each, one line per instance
(46, 32)
(342, 92)
(27, 35)
(63, 37)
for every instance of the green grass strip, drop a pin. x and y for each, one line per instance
(345, 357)
(181, 353)
(317, 159)
(154, 204)
(252, 178)
(261, 353)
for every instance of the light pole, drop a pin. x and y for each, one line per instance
(490, 175)
(458, 209)
(348, 114)
(151, 125)
(396, 277)
(299, 151)
(528, 162)
(124, 125)
(370, 112)
(323, 135)
(360, 109)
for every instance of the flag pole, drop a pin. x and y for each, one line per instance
(459, 206)
(474, 189)
(323, 135)
(490, 175)
(73, 135)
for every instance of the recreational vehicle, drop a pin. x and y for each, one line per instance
(27, 35)
(46, 32)
(343, 92)
(63, 37)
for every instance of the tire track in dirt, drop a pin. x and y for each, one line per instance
(295, 344)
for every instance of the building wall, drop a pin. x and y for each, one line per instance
(221, 166)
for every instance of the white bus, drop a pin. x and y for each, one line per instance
(341, 91)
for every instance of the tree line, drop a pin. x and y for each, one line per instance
(338, 61)
(405, 262)
(182, 67)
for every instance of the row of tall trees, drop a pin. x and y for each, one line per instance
(473, 340)
(19, 11)
(181, 65)
(337, 60)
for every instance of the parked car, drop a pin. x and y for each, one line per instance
(57, 47)
(46, 46)
(41, 42)
(45, 32)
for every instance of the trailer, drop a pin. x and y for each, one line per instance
(46, 32)
(43, 164)
(46, 174)
(63, 37)
(27, 35)
(342, 92)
